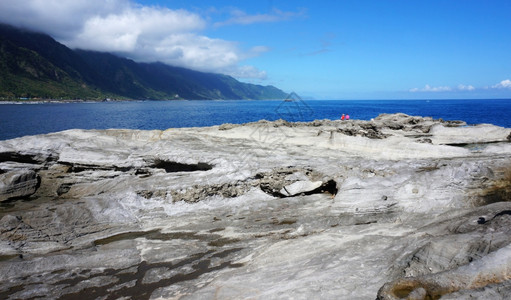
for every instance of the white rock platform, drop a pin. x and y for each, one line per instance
(395, 207)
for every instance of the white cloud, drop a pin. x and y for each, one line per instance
(240, 17)
(143, 33)
(504, 84)
(428, 88)
(61, 19)
(248, 72)
(133, 27)
(193, 51)
(462, 87)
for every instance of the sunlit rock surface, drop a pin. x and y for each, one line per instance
(16, 184)
(391, 208)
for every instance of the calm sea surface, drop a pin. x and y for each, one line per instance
(29, 119)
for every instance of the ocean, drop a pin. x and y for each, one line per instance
(17, 120)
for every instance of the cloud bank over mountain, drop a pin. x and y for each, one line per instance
(142, 33)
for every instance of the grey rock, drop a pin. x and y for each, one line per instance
(299, 187)
(198, 193)
(364, 129)
(18, 183)
(9, 222)
(291, 181)
(425, 140)
(331, 209)
(227, 126)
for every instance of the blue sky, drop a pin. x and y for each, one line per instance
(324, 49)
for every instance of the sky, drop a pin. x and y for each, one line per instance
(363, 49)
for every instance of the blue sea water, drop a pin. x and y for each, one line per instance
(29, 119)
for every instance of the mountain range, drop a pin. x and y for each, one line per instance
(34, 65)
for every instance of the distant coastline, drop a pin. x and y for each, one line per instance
(45, 101)
(49, 101)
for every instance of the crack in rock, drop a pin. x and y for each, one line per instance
(291, 181)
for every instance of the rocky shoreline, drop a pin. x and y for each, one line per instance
(399, 206)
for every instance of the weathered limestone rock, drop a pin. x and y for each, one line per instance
(369, 130)
(399, 206)
(291, 181)
(17, 184)
(491, 269)
(465, 257)
(299, 187)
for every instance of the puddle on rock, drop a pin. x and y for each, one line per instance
(157, 235)
(199, 264)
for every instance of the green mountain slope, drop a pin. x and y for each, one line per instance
(34, 65)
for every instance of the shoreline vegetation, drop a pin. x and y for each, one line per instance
(45, 101)
(41, 101)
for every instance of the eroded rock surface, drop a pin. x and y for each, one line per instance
(396, 207)
(17, 184)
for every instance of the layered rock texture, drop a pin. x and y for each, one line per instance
(398, 207)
